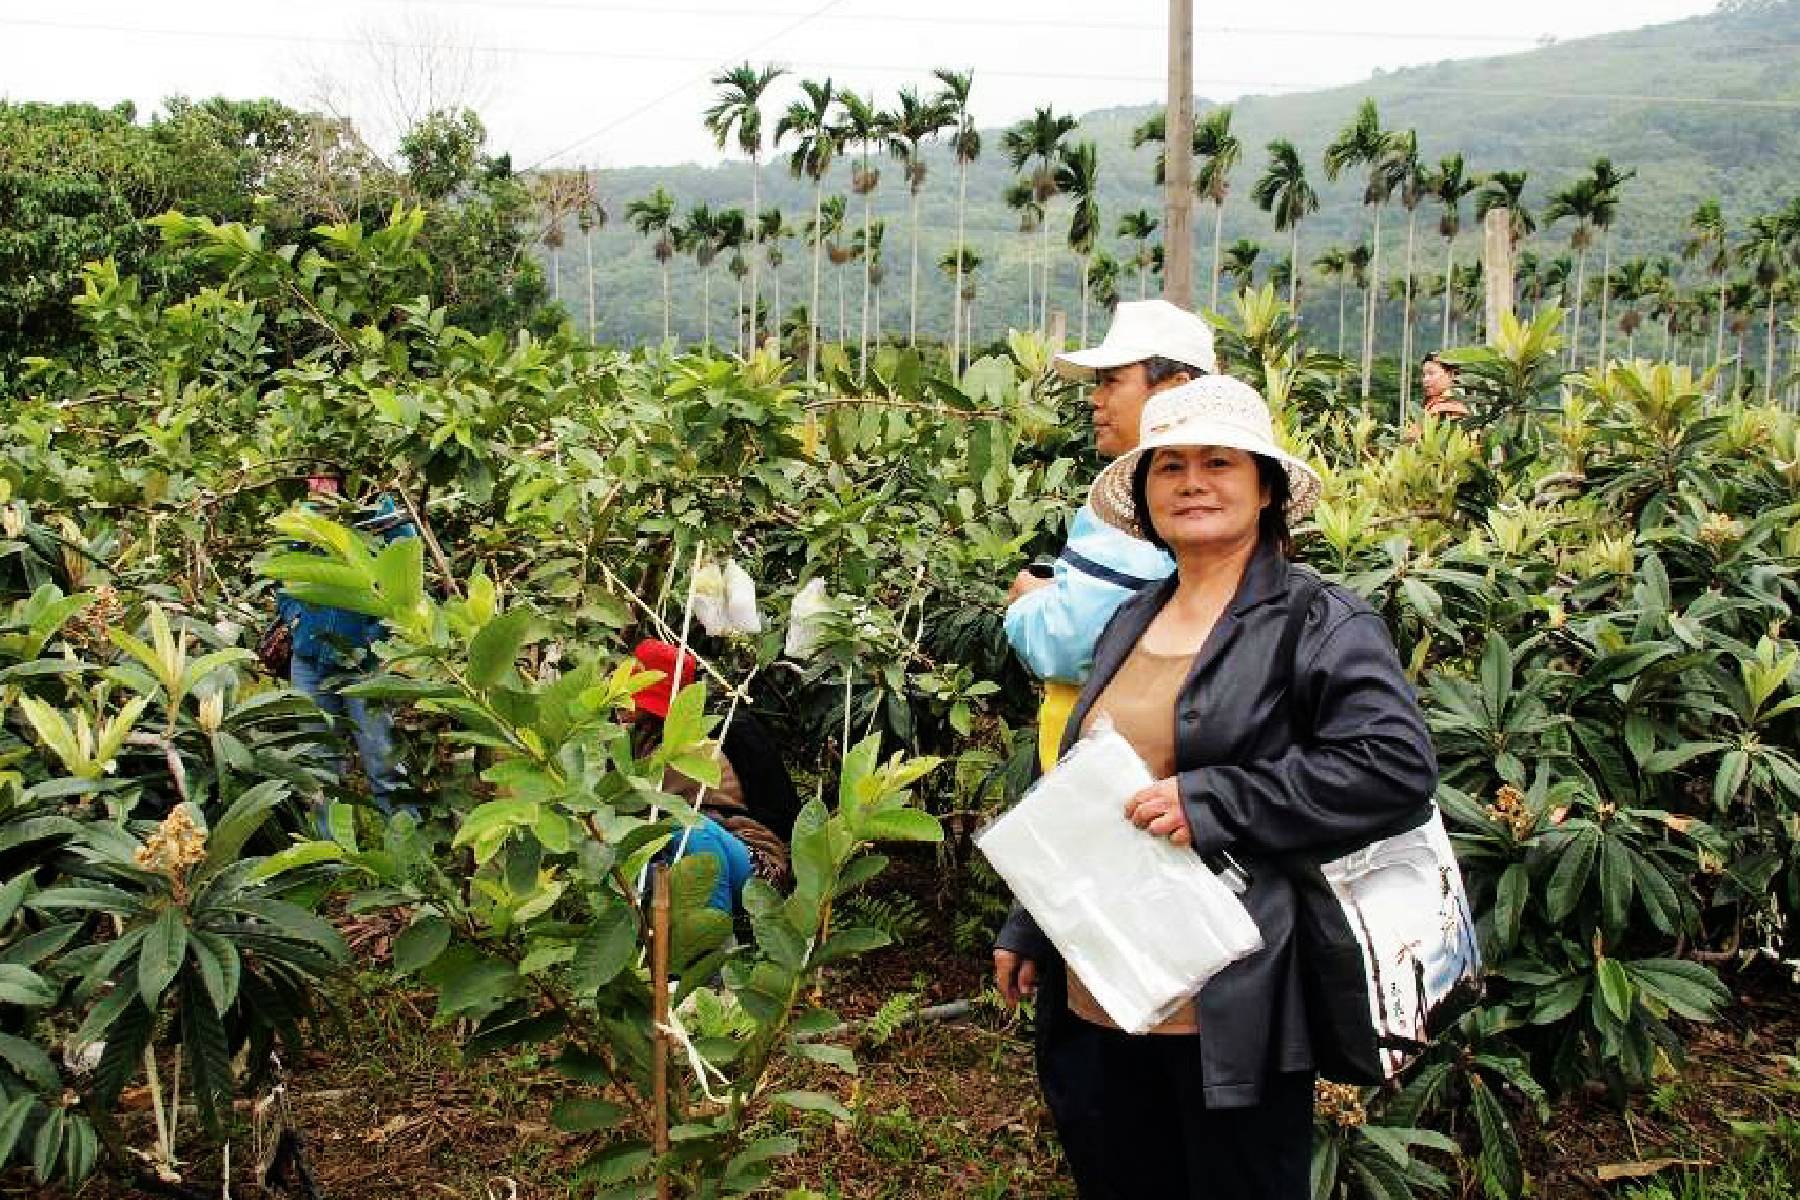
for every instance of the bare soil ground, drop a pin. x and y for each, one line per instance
(943, 1110)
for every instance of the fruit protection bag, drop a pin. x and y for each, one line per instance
(1143, 922)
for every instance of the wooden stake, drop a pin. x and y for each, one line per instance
(1178, 157)
(659, 983)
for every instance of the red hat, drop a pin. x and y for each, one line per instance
(654, 655)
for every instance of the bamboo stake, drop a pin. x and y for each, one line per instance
(659, 1060)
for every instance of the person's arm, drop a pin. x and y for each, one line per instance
(1053, 628)
(1367, 763)
(1019, 949)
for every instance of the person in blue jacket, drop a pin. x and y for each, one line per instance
(332, 646)
(1053, 622)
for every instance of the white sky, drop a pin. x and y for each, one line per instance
(615, 83)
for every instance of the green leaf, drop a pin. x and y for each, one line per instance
(25, 987)
(221, 970)
(1573, 866)
(495, 647)
(301, 854)
(47, 1147)
(12, 1123)
(1687, 988)
(246, 815)
(399, 572)
(12, 896)
(30, 1061)
(161, 955)
(901, 825)
(848, 943)
(1616, 883)
(586, 1115)
(419, 944)
(1510, 895)
(832, 1056)
(475, 986)
(1616, 989)
(608, 947)
(812, 1102)
(1502, 1166)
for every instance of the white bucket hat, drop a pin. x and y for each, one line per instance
(1214, 410)
(1144, 329)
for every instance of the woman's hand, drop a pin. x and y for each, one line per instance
(1157, 810)
(1014, 976)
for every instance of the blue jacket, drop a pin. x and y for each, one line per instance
(337, 636)
(1053, 629)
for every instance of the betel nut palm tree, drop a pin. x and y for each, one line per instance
(1709, 241)
(1021, 197)
(1578, 203)
(1449, 185)
(1217, 153)
(654, 216)
(1078, 178)
(863, 125)
(1334, 264)
(1139, 227)
(1284, 193)
(1364, 143)
(808, 121)
(698, 235)
(1403, 156)
(1240, 263)
(1035, 142)
(965, 140)
(739, 109)
(961, 264)
(1608, 179)
(915, 121)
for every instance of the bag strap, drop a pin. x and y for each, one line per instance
(1300, 601)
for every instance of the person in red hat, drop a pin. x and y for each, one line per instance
(753, 796)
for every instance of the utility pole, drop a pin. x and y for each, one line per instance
(1497, 268)
(1178, 157)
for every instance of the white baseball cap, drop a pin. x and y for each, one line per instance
(1143, 329)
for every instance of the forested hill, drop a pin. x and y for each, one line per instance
(1703, 107)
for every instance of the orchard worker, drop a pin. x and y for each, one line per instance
(1052, 621)
(1273, 713)
(1438, 380)
(331, 648)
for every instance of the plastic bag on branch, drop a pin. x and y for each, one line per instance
(724, 599)
(1065, 850)
(806, 620)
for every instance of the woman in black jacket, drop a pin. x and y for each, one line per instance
(1272, 710)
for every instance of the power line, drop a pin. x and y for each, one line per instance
(898, 18)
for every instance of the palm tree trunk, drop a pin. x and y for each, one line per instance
(1218, 241)
(587, 250)
(1143, 280)
(1371, 300)
(843, 312)
(1449, 275)
(755, 212)
(1294, 272)
(1084, 299)
(912, 315)
(740, 325)
(812, 307)
(1580, 293)
(776, 269)
(868, 259)
(1343, 290)
(1605, 289)
(1044, 257)
(706, 308)
(1719, 337)
(665, 268)
(1406, 328)
(1737, 372)
(1030, 286)
(956, 300)
(1769, 353)
(555, 274)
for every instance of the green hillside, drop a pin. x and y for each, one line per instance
(1703, 107)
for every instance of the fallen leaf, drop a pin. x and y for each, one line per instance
(1645, 1168)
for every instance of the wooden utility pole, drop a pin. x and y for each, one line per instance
(1178, 157)
(1497, 267)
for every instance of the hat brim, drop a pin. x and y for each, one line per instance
(1111, 499)
(1082, 365)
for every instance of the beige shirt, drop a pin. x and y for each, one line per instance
(1140, 700)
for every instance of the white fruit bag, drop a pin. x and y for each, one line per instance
(1143, 922)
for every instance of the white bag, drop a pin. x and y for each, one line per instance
(1105, 892)
(1403, 900)
(806, 621)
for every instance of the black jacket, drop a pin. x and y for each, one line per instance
(1364, 768)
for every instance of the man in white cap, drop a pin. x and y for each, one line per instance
(1052, 621)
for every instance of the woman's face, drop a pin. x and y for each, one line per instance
(1435, 378)
(1204, 497)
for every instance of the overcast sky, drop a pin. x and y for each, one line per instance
(623, 82)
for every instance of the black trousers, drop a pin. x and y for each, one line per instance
(1134, 1123)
